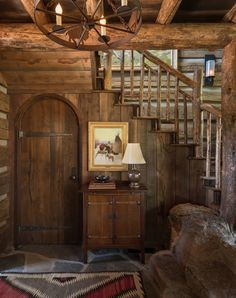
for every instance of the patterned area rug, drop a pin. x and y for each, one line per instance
(63, 285)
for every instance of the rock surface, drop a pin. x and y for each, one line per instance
(204, 248)
(169, 276)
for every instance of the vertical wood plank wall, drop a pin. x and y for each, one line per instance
(4, 169)
(161, 173)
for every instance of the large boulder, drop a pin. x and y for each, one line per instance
(205, 248)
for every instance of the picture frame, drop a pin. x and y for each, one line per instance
(106, 146)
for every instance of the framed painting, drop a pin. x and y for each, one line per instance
(107, 142)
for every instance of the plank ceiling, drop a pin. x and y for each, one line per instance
(188, 11)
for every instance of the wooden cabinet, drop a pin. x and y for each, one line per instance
(114, 218)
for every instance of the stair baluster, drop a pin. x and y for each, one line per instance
(213, 128)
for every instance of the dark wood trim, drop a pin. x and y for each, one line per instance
(167, 11)
(230, 15)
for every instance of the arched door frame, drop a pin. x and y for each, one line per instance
(21, 111)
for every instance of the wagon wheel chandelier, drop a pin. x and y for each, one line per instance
(79, 25)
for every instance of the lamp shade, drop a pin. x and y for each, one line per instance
(133, 154)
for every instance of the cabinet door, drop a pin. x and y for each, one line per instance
(99, 220)
(128, 219)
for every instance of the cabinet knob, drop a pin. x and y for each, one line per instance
(138, 202)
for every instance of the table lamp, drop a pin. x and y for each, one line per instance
(133, 156)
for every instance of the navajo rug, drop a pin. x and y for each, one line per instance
(70, 285)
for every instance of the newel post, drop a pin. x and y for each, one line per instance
(108, 70)
(228, 203)
(197, 111)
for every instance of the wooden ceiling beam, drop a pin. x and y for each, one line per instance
(231, 15)
(167, 11)
(91, 5)
(29, 7)
(150, 36)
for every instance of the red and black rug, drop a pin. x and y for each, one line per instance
(63, 285)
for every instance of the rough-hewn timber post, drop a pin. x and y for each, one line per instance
(197, 111)
(108, 70)
(228, 203)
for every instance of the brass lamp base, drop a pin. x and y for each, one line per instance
(134, 177)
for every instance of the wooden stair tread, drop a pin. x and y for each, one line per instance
(131, 95)
(184, 145)
(197, 158)
(208, 177)
(162, 131)
(164, 121)
(106, 91)
(146, 117)
(127, 104)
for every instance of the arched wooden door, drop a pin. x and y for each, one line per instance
(47, 171)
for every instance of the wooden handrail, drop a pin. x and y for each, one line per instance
(185, 94)
(211, 109)
(169, 69)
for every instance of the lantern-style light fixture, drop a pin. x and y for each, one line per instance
(77, 25)
(210, 62)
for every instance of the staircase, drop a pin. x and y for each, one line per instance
(172, 103)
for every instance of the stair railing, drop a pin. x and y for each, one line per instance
(211, 144)
(163, 95)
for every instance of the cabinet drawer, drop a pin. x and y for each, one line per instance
(129, 198)
(95, 199)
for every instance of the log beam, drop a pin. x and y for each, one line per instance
(150, 36)
(167, 11)
(228, 204)
(231, 15)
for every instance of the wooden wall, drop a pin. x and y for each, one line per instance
(169, 173)
(46, 71)
(4, 166)
(190, 60)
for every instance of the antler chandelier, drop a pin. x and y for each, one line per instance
(88, 25)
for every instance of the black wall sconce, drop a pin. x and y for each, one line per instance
(210, 63)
